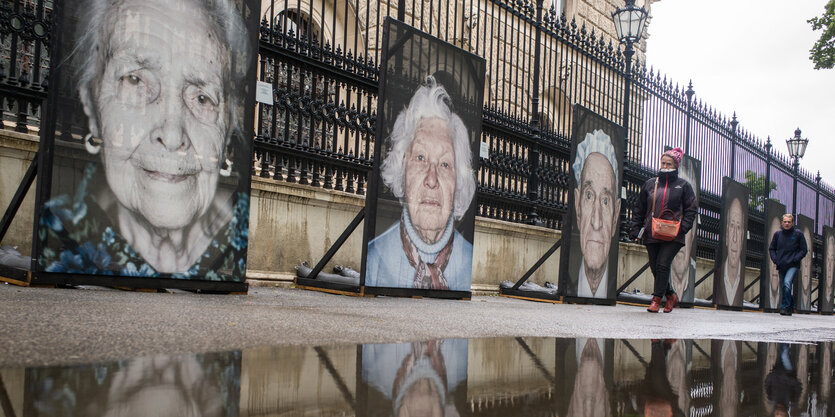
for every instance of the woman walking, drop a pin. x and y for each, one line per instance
(665, 202)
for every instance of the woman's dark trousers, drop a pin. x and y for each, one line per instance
(660, 258)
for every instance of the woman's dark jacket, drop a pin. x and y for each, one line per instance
(680, 199)
(787, 248)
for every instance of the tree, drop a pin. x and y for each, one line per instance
(756, 185)
(823, 52)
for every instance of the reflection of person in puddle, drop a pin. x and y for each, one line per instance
(417, 377)
(590, 397)
(781, 385)
(770, 361)
(659, 397)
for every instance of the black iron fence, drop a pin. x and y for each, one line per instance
(322, 59)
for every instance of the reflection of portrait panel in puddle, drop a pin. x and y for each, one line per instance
(428, 167)
(773, 273)
(590, 396)
(803, 371)
(183, 385)
(678, 368)
(824, 350)
(418, 378)
(729, 391)
(159, 84)
(597, 207)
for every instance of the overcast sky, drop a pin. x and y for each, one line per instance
(752, 58)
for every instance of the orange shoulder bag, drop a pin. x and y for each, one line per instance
(666, 230)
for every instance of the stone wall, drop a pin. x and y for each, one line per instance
(291, 223)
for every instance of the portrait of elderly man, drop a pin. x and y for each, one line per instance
(162, 86)
(805, 296)
(428, 168)
(683, 266)
(733, 268)
(829, 270)
(596, 208)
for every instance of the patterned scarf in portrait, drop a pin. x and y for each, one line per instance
(427, 275)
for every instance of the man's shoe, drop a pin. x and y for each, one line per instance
(672, 300)
(654, 305)
(788, 312)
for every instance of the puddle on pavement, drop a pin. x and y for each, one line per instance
(449, 377)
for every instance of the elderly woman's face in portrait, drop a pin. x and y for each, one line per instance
(430, 178)
(159, 101)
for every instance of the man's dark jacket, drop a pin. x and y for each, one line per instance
(787, 249)
(680, 199)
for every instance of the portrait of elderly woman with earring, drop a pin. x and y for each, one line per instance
(428, 168)
(162, 86)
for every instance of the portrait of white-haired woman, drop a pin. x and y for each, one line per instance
(162, 84)
(428, 168)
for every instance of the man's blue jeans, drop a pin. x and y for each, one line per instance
(787, 279)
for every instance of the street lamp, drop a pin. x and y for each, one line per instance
(797, 147)
(629, 26)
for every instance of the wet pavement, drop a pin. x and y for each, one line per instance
(61, 326)
(443, 377)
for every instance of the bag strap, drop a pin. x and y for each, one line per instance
(653, 196)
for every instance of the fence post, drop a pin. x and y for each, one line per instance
(533, 156)
(689, 93)
(734, 124)
(817, 200)
(767, 174)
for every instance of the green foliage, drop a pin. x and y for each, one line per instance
(756, 185)
(823, 52)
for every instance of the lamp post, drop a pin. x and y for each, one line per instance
(797, 147)
(629, 26)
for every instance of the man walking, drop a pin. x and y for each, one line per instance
(787, 249)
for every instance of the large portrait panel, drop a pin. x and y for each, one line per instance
(420, 210)
(770, 288)
(146, 153)
(683, 268)
(825, 284)
(803, 280)
(729, 278)
(589, 259)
